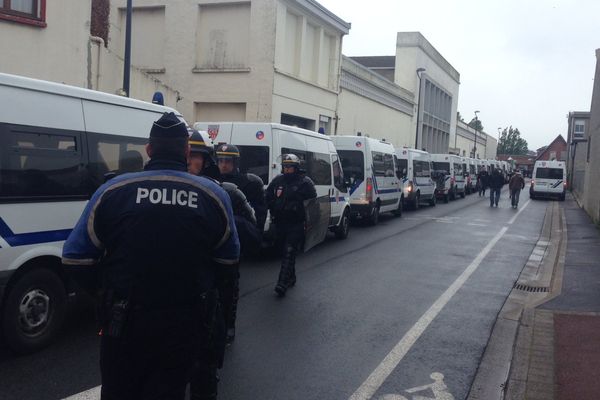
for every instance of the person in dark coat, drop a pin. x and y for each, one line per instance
(285, 196)
(482, 182)
(496, 183)
(515, 185)
(152, 246)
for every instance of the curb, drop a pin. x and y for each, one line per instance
(512, 351)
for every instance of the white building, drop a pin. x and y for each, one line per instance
(374, 106)
(465, 145)
(258, 60)
(437, 87)
(46, 43)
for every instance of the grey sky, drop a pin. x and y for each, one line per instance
(524, 63)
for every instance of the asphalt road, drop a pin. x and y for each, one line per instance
(391, 308)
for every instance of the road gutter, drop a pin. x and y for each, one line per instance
(520, 345)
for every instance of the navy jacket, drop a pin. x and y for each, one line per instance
(158, 237)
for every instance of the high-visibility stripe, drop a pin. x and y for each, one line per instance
(197, 142)
(227, 153)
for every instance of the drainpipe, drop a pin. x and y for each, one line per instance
(100, 42)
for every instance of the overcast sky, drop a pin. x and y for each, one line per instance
(524, 63)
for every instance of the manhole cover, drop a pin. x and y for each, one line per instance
(533, 289)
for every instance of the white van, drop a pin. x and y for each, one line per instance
(57, 145)
(371, 172)
(261, 146)
(448, 175)
(470, 172)
(549, 179)
(414, 169)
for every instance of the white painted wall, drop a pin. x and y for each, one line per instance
(58, 52)
(360, 114)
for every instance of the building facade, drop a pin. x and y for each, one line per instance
(577, 142)
(471, 143)
(259, 60)
(555, 151)
(591, 195)
(373, 106)
(435, 87)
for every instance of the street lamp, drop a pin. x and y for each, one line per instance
(419, 70)
(475, 139)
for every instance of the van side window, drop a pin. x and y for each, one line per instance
(255, 160)
(378, 163)
(117, 154)
(401, 168)
(458, 169)
(41, 163)
(421, 169)
(338, 174)
(388, 161)
(319, 168)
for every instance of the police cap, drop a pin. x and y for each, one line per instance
(169, 127)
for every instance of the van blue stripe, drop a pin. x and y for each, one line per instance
(24, 239)
(388, 191)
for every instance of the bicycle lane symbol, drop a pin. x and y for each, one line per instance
(438, 388)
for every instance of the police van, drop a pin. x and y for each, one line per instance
(549, 179)
(370, 170)
(470, 172)
(261, 146)
(448, 175)
(58, 144)
(414, 169)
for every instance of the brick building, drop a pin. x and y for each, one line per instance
(557, 150)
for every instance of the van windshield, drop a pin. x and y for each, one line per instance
(549, 173)
(441, 166)
(255, 160)
(353, 165)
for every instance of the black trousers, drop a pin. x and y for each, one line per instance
(289, 240)
(153, 358)
(229, 294)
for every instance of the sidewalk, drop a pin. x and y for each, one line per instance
(546, 341)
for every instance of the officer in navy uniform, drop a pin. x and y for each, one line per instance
(228, 159)
(285, 197)
(204, 381)
(155, 243)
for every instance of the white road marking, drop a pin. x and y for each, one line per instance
(92, 394)
(476, 224)
(391, 361)
(519, 212)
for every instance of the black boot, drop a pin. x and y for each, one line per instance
(287, 271)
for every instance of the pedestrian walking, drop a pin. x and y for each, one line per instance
(285, 197)
(482, 182)
(515, 185)
(496, 181)
(204, 379)
(153, 244)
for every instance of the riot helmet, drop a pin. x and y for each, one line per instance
(228, 158)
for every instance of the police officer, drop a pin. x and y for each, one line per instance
(154, 243)
(228, 159)
(204, 381)
(285, 197)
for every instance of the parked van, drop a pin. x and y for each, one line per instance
(57, 145)
(448, 175)
(414, 170)
(370, 169)
(549, 179)
(261, 146)
(470, 172)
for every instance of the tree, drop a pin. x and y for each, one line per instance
(511, 142)
(476, 124)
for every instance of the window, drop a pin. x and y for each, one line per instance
(388, 160)
(549, 173)
(41, 164)
(255, 160)
(353, 163)
(421, 169)
(401, 168)
(472, 169)
(465, 169)
(378, 163)
(589, 146)
(441, 166)
(114, 154)
(458, 171)
(579, 132)
(31, 12)
(316, 165)
(338, 174)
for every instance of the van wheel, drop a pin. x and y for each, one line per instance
(462, 194)
(341, 231)
(398, 211)
(417, 202)
(562, 197)
(446, 198)
(374, 219)
(432, 201)
(34, 311)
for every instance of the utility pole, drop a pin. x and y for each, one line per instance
(127, 56)
(475, 140)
